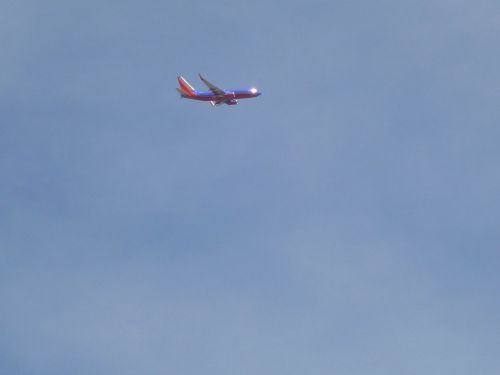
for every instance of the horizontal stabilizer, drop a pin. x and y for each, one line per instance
(183, 94)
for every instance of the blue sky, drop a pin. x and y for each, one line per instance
(345, 222)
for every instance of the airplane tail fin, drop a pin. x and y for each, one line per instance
(185, 88)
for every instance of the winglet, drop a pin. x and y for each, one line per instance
(201, 77)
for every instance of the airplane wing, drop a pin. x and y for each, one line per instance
(217, 91)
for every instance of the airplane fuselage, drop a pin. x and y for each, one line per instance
(209, 96)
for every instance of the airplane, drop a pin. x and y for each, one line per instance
(215, 96)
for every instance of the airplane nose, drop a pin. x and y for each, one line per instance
(254, 91)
